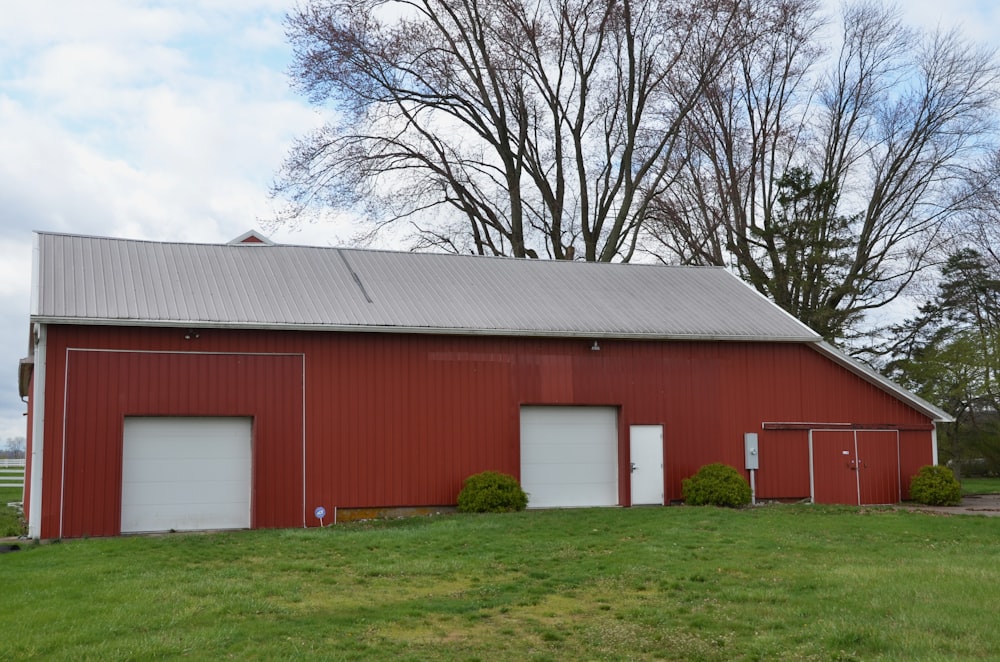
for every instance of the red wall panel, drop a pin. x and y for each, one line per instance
(835, 467)
(396, 420)
(914, 452)
(83, 457)
(857, 466)
(878, 466)
(784, 465)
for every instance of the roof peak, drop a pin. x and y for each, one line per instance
(251, 238)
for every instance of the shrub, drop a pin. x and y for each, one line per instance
(936, 486)
(716, 485)
(491, 492)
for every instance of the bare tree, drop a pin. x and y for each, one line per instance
(505, 127)
(13, 448)
(826, 179)
(978, 227)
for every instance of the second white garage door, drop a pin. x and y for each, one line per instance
(569, 456)
(186, 474)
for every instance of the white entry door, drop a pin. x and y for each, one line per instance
(186, 473)
(569, 456)
(646, 448)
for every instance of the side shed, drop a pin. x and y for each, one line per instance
(195, 386)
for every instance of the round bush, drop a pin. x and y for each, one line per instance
(936, 486)
(491, 492)
(716, 485)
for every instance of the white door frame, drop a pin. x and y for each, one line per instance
(646, 468)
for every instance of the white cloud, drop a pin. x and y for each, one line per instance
(979, 20)
(29, 24)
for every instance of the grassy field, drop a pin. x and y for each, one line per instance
(776, 583)
(8, 494)
(10, 522)
(981, 485)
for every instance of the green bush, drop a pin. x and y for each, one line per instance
(716, 485)
(491, 492)
(936, 486)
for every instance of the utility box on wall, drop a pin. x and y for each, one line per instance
(750, 450)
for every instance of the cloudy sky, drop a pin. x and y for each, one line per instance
(166, 120)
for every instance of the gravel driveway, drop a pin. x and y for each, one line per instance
(978, 504)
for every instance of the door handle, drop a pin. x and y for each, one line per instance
(633, 466)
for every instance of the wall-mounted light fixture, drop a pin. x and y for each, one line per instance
(595, 347)
(191, 334)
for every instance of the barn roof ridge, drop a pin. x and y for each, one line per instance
(387, 251)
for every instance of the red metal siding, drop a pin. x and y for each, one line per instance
(914, 452)
(856, 466)
(103, 387)
(834, 467)
(878, 466)
(397, 420)
(784, 465)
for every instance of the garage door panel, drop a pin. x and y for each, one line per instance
(566, 474)
(183, 492)
(186, 473)
(569, 456)
(555, 496)
(568, 453)
(169, 449)
(194, 438)
(151, 471)
(165, 515)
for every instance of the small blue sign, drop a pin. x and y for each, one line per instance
(320, 512)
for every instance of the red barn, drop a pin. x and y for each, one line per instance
(191, 386)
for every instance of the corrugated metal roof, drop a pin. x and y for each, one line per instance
(116, 281)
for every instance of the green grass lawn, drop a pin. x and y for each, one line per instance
(10, 522)
(981, 485)
(776, 583)
(8, 494)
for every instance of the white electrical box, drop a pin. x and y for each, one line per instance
(750, 450)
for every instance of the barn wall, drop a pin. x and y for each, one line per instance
(103, 387)
(914, 452)
(396, 420)
(784, 462)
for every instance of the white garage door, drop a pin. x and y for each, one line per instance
(186, 474)
(569, 456)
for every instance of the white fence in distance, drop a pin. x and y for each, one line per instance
(12, 472)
